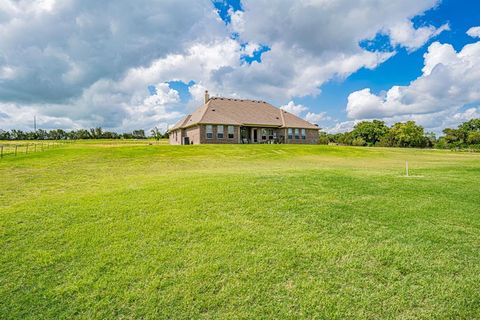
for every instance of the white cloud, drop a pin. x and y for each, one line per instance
(466, 115)
(14, 116)
(293, 108)
(316, 117)
(406, 35)
(7, 72)
(60, 48)
(432, 122)
(302, 111)
(450, 80)
(438, 55)
(325, 26)
(155, 110)
(343, 126)
(300, 60)
(91, 62)
(474, 32)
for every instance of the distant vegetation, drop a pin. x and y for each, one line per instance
(94, 133)
(407, 135)
(366, 133)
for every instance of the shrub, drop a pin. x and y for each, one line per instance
(359, 142)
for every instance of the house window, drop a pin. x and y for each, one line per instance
(304, 136)
(297, 133)
(231, 132)
(270, 134)
(220, 132)
(209, 129)
(264, 134)
(290, 133)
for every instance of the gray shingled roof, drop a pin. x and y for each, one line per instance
(242, 112)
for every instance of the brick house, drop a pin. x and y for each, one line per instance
(222, 120)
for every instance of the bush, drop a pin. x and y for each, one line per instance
(323, 138)
(359, 142)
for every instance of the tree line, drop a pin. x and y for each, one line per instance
(407, 135)
(93, 133)
(366, 133)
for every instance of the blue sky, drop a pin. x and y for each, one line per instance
(122, 65)
(404, 66)
(401, 69)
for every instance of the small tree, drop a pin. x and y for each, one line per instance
(323, 138)
(359, 142)
(156, 133)
(139, 134)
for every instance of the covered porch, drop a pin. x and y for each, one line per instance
(261, 135)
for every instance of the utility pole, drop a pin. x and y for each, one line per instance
(35, 123)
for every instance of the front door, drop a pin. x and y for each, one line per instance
(255, 135)
(186, 140)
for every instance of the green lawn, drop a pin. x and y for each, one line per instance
(131, 230)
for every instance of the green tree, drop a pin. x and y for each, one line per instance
(471, 125)
(371, 132)
(156, 133)
(453, 137)
(5, 135)
(359, 142)
(431, 139)
(473, 137)
(139, 134)
(407, 134)
(323, 138)
(96, 133)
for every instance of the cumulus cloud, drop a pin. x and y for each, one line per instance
(316, 117)
(302, 111)
(439, 98)
(325, 26)
(432, 122)
(406, 35)
(293, 108)
(59, 48)
(450, 80)
(474, 32)
(89, 63)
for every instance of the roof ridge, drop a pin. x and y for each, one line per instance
(206, 105)
(237, 99)
(185, 120)
(282, 117)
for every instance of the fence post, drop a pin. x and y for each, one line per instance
(16, 146)
(1, 151)
(34, 147)
(26, 150)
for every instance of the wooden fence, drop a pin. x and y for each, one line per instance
(12, 149)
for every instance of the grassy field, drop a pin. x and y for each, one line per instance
(100, 230)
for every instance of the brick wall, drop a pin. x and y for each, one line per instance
(175, 137)
(311, 137)
(215, 139)
(193, 133)
(198, 135)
